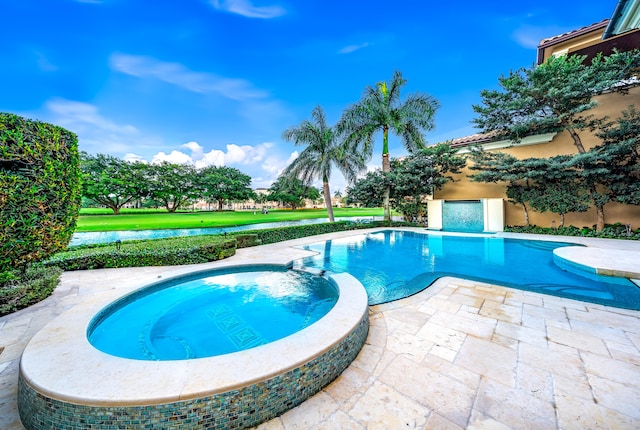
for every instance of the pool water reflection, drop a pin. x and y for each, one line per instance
(395, 264)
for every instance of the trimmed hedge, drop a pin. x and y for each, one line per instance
(21, 289)
(610, 231)
(39, 190)
(159, 252)
(280, 234)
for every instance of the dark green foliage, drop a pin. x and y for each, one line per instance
(112, 182)
(21, 289)
(291, 192)
(381, 109)
(224, 183)
(39, 190)
(610, 231)
(368, 191)
(160, 252)
(325, 150)
(247, 240)
(172, 185)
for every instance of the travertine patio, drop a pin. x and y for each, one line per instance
(460, 354)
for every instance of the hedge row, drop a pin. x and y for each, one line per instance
(21, 289)
(160, 252)
(610, 231)
(187, 250)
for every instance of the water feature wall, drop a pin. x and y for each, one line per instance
(483, 215)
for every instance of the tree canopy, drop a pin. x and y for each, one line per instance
(291, 191)
(382, 109)
(111, 181)
(224, 183)
(324, 151)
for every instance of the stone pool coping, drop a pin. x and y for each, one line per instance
(619, 263)
(76, 372)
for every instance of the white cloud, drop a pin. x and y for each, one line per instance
(351, 48)
(177, 74)
(134, 158)
(246, 154)
(96, 133)
(246, 9)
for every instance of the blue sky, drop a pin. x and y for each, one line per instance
(217, 81)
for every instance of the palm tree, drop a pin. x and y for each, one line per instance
(324, 151)
(381, 109)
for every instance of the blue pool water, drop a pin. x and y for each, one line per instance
(211, 314)
(395, 264)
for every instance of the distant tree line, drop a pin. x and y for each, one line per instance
(115, 183)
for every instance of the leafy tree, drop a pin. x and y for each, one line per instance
(224, 183)
(381, 109)
(611, 170)
(173, 185)
(420, 174)
(291, 191)
(557, 187)
(498, 167)
(112, 182)
(556, 97)
(368, 191)
(323, 152)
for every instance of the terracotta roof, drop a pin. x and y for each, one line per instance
(573, 33)
(473, 139)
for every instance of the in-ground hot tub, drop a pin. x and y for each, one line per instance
(66, 382)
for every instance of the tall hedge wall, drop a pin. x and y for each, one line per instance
(39, 190)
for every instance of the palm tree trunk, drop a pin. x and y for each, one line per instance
(327, 199)
(386, 168)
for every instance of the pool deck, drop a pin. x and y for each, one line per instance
(460, 354)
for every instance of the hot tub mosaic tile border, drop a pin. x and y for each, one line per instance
(236, 409)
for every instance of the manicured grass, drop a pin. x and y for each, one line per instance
(144, 220)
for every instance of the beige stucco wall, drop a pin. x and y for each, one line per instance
(608, 104)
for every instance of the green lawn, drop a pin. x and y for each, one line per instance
(146, 220)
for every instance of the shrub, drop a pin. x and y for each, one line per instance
(19, 289)
(610, 231)
(39, 190)
(159, 252)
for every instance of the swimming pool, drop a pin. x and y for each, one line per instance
(395, 264)
(216, 313)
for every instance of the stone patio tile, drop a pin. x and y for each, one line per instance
(535, 382)
(382, 407)
(624, 353)
(444, 304)
(614, 395)
(444, 353)
(481, 422)
(466, 299)
(612, 369)
(522, 333)
(600, 329)
(319, 407)
(565, 362)
(377, 335)
(440, 393)
(502, 312)
(442, 336)
(409, 345)
(580, 341)
(338, 420)
(560, 303)
(579, 413)
(469, 324)
(438, 422)
(575, 387)
(351, 382)
(525, 297)
(488, 359)
(368, 358)
(612, 316)
(437, 364)
(535, 316)
(514, 408)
